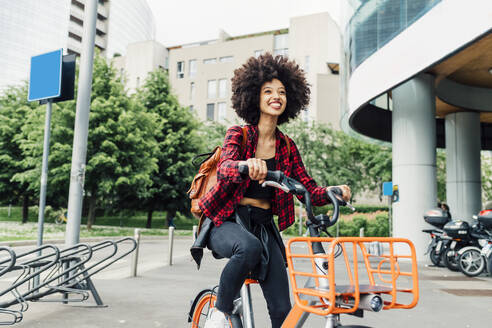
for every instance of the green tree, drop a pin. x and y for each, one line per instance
(14, 108)
(486, 168)
(178, 142)
(120, 148)
(333, 157)
(441, 174)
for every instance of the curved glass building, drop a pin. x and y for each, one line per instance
(29, 28)
(129, 21)
(418, 74)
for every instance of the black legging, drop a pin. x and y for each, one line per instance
(244, 251)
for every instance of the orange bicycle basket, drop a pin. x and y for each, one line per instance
(390, 273)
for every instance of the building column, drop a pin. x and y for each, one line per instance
(414, 158)
(463, 181)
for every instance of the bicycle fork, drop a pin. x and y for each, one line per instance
(247, 306)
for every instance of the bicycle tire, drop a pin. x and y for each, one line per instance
(471, 262)
(451, 262)
(204, 301)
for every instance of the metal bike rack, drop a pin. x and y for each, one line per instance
(67, 272)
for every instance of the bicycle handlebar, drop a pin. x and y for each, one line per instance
(279, 180)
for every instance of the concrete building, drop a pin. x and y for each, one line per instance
(140, 59)
(314, 43)
(417, 73)
(29, 28)
(200, 73)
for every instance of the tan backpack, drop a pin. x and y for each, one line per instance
(206, 177)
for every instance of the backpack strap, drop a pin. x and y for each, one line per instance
(287, 141)
(245, 135)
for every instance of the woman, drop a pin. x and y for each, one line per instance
(267, 91)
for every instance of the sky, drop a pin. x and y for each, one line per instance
(187, 21)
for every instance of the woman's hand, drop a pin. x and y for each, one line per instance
(257, 169)
(346, 192)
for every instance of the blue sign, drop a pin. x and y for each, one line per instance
(387, 188)
(45, 76)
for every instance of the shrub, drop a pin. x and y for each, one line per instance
(378, 227)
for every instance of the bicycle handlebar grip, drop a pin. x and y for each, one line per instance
(243, 169)
(271, 175)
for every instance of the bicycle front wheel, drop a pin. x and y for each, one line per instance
(203, 303)
(201, 307)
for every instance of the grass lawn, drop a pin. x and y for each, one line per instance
(133, 220)
(12, 229)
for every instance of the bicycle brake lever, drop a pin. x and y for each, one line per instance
(350, 206)
(275, 185)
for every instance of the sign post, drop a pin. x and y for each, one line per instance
(45, 84)
(388, 191)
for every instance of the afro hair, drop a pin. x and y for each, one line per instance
(248, 79)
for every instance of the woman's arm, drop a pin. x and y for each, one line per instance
(227, 169)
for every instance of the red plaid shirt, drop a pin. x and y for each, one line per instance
(219, 203)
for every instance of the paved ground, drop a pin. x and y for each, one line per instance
(161, 294)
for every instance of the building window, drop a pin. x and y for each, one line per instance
(222, 88)
(212, 89)
(226, 59)
(258, 53)
(192, 90)
(210, 61)
(306, 64)
(210, 112)
(181, 69)
(191, 108)
(281, 44)
(192, 72)
(221, 109)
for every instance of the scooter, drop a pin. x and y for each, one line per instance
(460, 235)
(438, 218)
(473, 260)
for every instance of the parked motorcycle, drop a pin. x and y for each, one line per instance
(460, 235)
(474, 260)
(438, 218)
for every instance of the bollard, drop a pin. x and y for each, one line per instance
(171, 240)
(135, 254)
(361, 232)
(10, 209)
(195, 230)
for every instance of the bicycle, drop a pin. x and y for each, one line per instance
(322, 294)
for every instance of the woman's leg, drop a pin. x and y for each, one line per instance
(243, 249)
(276, 285)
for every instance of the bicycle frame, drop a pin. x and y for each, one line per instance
(322, 294)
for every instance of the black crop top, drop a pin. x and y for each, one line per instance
(256, 191)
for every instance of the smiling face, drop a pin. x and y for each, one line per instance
(273, 98)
